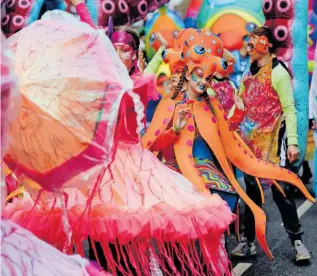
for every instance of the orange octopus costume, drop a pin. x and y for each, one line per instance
(209, 118)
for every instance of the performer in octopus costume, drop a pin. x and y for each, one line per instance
(190, 88)
(79, 105)
(207, 117)
(21, 251)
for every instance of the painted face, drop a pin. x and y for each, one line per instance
(257, 47)
(254, 55)
(176, 77)
(126, 54)
(162, 84)
(197, 82)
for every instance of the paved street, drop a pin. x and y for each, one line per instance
(280, 245)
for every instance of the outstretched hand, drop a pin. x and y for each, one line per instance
(182, 119)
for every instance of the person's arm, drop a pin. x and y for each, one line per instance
(155, 62)
(282, 84)
(83, 12)
(166, 139)
(236, 114)
(171, 135)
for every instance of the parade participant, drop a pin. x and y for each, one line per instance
(21, 251)
(179, 119)
(118, 194)
(131, 56)
(269, 116)
(185, 90)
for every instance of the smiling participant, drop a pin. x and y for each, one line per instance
(192, 68)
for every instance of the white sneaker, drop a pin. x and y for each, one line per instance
(302, 253)
(244, 249)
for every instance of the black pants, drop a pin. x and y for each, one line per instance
(286, 206)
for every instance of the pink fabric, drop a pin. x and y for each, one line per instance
(61, 118)
(22, 253)
(84, 15)
(133, 206)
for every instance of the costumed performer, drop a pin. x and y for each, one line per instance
(269, 128)
(87, 124)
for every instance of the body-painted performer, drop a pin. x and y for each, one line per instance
(22, 253)
(269, 118)
(207, 117)
(87, 124)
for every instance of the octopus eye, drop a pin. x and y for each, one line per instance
(24, 4)
(142, 7)
(267, 6)
(281, 33)
(283, 5)
(108, 7)
(250, 27)
(152, 37)
(224, 64)
(164, 54)
(200, 50)
(123, 6)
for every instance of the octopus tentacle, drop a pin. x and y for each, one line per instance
(261, 190)
(242, 157)
(211, 135)
(279, 188)
(183, 151)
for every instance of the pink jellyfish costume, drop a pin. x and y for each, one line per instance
(22, 253)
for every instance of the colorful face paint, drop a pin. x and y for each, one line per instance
(197, 74)
(124, 51)
(199, 83)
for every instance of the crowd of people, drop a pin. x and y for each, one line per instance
(147, 178)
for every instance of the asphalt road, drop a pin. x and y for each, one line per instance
(280, 245)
